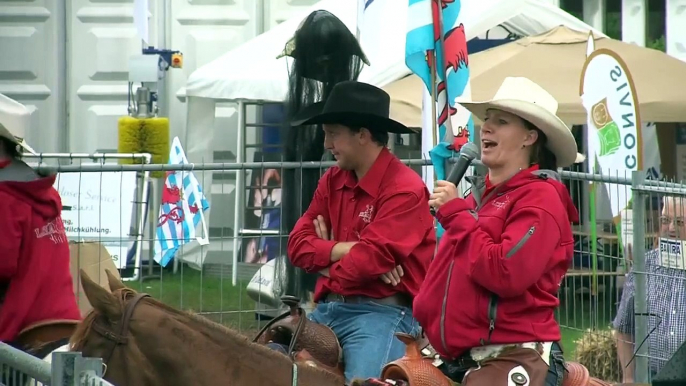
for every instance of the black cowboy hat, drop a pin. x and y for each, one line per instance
(353, 103)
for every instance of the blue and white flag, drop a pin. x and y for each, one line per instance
(183, 204)
(434, 33)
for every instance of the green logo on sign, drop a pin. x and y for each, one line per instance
(608, 131)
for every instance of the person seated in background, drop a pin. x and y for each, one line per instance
(488, 302)
(666, 292)
(368, 231)
(39, 310)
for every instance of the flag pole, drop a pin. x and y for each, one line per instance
(444, 65)
(360, 13)
(434, 118)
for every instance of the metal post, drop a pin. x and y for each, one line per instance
(68, 368)
(642, 372)
(64, 368)
(142, 200)
(239, 208)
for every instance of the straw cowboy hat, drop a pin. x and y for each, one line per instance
(353, 103)
(15, 120)
(529, 101)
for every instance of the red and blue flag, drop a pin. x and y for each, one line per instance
(433, 28)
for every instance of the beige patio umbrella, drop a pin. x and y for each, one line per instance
(554, 60)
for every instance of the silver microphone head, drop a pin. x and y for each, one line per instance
(470, 151)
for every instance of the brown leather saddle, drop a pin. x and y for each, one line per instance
(308, 342)
(41, 339)
(418, 367)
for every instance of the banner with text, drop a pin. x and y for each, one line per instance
(99, 207)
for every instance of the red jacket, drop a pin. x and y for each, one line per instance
(386, 213)
(34, 257)
(499, 265)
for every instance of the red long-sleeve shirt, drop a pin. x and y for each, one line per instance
(386, 213)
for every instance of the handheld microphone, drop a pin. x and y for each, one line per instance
(468, 153)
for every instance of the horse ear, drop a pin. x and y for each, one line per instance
(99, 298)
(114, 282)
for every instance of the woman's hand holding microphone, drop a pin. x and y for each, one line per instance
(444, 191)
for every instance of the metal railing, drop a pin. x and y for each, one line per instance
(18, 368)
(589, 296)
(44, 161)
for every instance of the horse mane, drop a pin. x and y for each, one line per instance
(83, 329)
(78, 339)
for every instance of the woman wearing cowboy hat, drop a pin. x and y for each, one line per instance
(38, 307)
(488, 302)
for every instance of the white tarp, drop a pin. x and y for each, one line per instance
(251, 71)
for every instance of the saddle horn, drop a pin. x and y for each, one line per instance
(293, 302)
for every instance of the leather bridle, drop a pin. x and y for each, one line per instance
(121, 336)
(293, 303)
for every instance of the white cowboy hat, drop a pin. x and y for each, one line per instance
(15, 119)
(529, 101)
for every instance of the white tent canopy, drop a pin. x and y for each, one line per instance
(251, 72)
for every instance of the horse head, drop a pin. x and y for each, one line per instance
(145, 342)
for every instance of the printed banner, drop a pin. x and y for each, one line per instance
(99, 207)
(613, 139)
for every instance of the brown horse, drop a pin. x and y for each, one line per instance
(145, 342)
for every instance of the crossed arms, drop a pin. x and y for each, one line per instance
(373, 257)
(341, 249)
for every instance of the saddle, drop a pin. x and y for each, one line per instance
(308, 342)
(414, 368)
(418, 367)
(40, 339)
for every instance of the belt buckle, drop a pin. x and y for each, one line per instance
(337, 298)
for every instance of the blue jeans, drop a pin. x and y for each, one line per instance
(366, 333)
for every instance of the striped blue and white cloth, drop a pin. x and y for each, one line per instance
(181, 211)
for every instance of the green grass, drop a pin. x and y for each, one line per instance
(217, 299)
(578, 313)
(214, 297)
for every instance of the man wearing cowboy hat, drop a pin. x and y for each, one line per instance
(34, 268)
(368, 231)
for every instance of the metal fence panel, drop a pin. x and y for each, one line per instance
(19, 368)
(589, 295)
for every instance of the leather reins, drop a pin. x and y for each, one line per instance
(121, 336)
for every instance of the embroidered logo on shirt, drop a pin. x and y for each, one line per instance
(366, 215)
(501, 203)
(54, 230)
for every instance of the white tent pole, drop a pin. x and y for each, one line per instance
(360, 16)
(239, 191)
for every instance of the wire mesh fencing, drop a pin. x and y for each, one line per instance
(622, 302)
(658, 274)
(229, 277)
